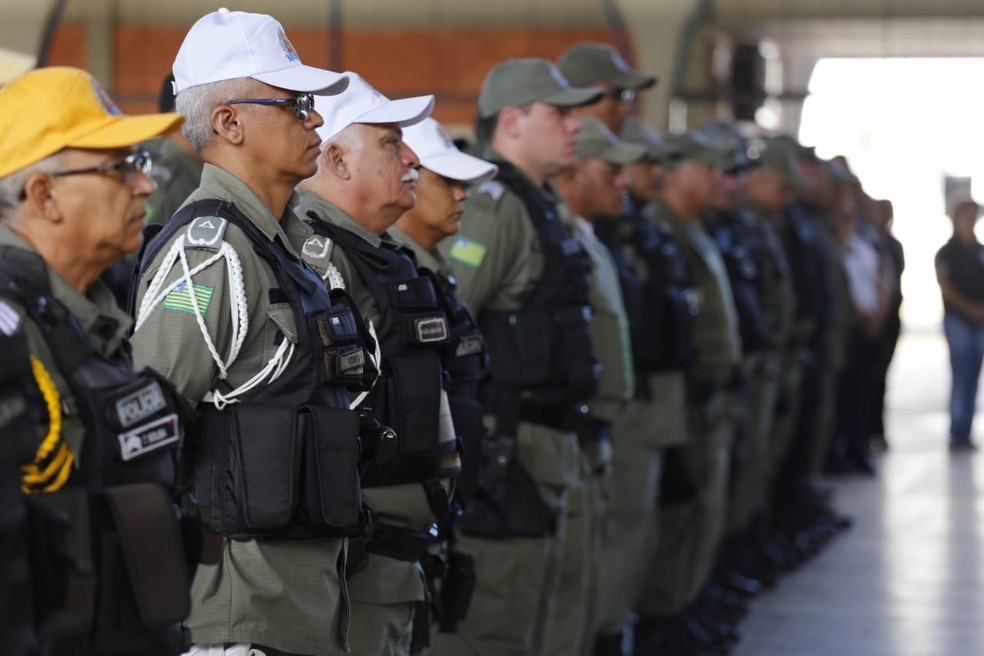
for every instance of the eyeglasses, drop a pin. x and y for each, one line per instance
(129, 168)
(302, 104)
(627, 96)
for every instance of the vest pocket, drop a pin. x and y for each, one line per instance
(519, 345)
(266, 463)
(413, 391)
(331, 453)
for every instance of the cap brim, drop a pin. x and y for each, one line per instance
(573, 97)
(306, 79)
(120, 131)
(461, 167)
(623, 153)
(634, 80)
(402, 112)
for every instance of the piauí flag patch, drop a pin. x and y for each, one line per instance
(468, 252)
(179, 299)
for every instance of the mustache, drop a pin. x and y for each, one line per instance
(411, 176)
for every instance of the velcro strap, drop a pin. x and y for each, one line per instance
(149, 533)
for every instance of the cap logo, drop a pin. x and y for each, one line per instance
(104, 99)
(288, 48)
(448, 142)
(558, 77)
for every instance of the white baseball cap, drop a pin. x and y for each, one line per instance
(226, 45)
(437, 152)
(363, 104)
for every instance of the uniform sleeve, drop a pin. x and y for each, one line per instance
(493, 255)
(171, 340)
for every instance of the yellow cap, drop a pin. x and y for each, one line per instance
(49, 109)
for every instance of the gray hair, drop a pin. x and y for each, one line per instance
(197, 103)
(12, 185)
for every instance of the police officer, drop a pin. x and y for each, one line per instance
(524, 277)
(109, 573)
(177, 167)
(445, 172)
(660, 301)
(228, 312)
(599, 65)
(691, 531)
(366, 179)
(592, 190)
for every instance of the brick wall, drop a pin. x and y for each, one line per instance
(449, 63)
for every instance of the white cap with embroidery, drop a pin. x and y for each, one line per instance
(437, 152)
(361, 103)
(226, 45)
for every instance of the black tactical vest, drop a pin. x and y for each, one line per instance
(108, 561)
(414, 337)
(657, 286)
(742, 252)
(18, 426)
(283, 464)
(544, 348)
(466, 364)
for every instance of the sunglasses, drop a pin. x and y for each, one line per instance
(129, 168)
(302, 104)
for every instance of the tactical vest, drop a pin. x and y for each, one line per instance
(107, 553)
(742, 253)
(657, 285)
(18, 427)
(414, 336)
(283, 464)
(544, 348)
(467, 366)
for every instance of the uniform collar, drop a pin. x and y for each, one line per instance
(427, 259)
(331, 214)
(494, 156)
(289, 230)
(95, 311)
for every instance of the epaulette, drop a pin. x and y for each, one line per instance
(206, 232)
(493, 188)
(317, 253)
(9, 319)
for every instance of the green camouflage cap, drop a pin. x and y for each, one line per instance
(696, 146)
(590, 63)
(594, 139)
(519, 82)
(634, 131)
(778, 158)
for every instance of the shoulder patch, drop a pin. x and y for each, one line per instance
(206, 231)
(9, 319)
(491, 187)
(317, 249)
(179, 299)
(468, 252)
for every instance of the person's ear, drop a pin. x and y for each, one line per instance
(227, 124)
(39, 195)
(333, 158)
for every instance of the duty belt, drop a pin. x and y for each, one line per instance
(400, 543)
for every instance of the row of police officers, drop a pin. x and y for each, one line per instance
(382, 397)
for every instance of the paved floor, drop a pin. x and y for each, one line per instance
(908, 579)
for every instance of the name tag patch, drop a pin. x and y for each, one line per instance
(140, 404)
(470, 345)
(431, 330)
(153, 436)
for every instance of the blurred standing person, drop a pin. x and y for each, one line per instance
(177, 167)
(599, 65)
(960, 273)
(893, 261)
(592, 190)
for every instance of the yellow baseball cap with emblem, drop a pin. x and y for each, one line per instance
(49, 109)
(519, 82)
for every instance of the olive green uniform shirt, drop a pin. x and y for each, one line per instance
(281, 594)
(384, 580)
(177, 175)
(97, 315)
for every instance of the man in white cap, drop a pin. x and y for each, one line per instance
(366, 179)
(227, 311)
